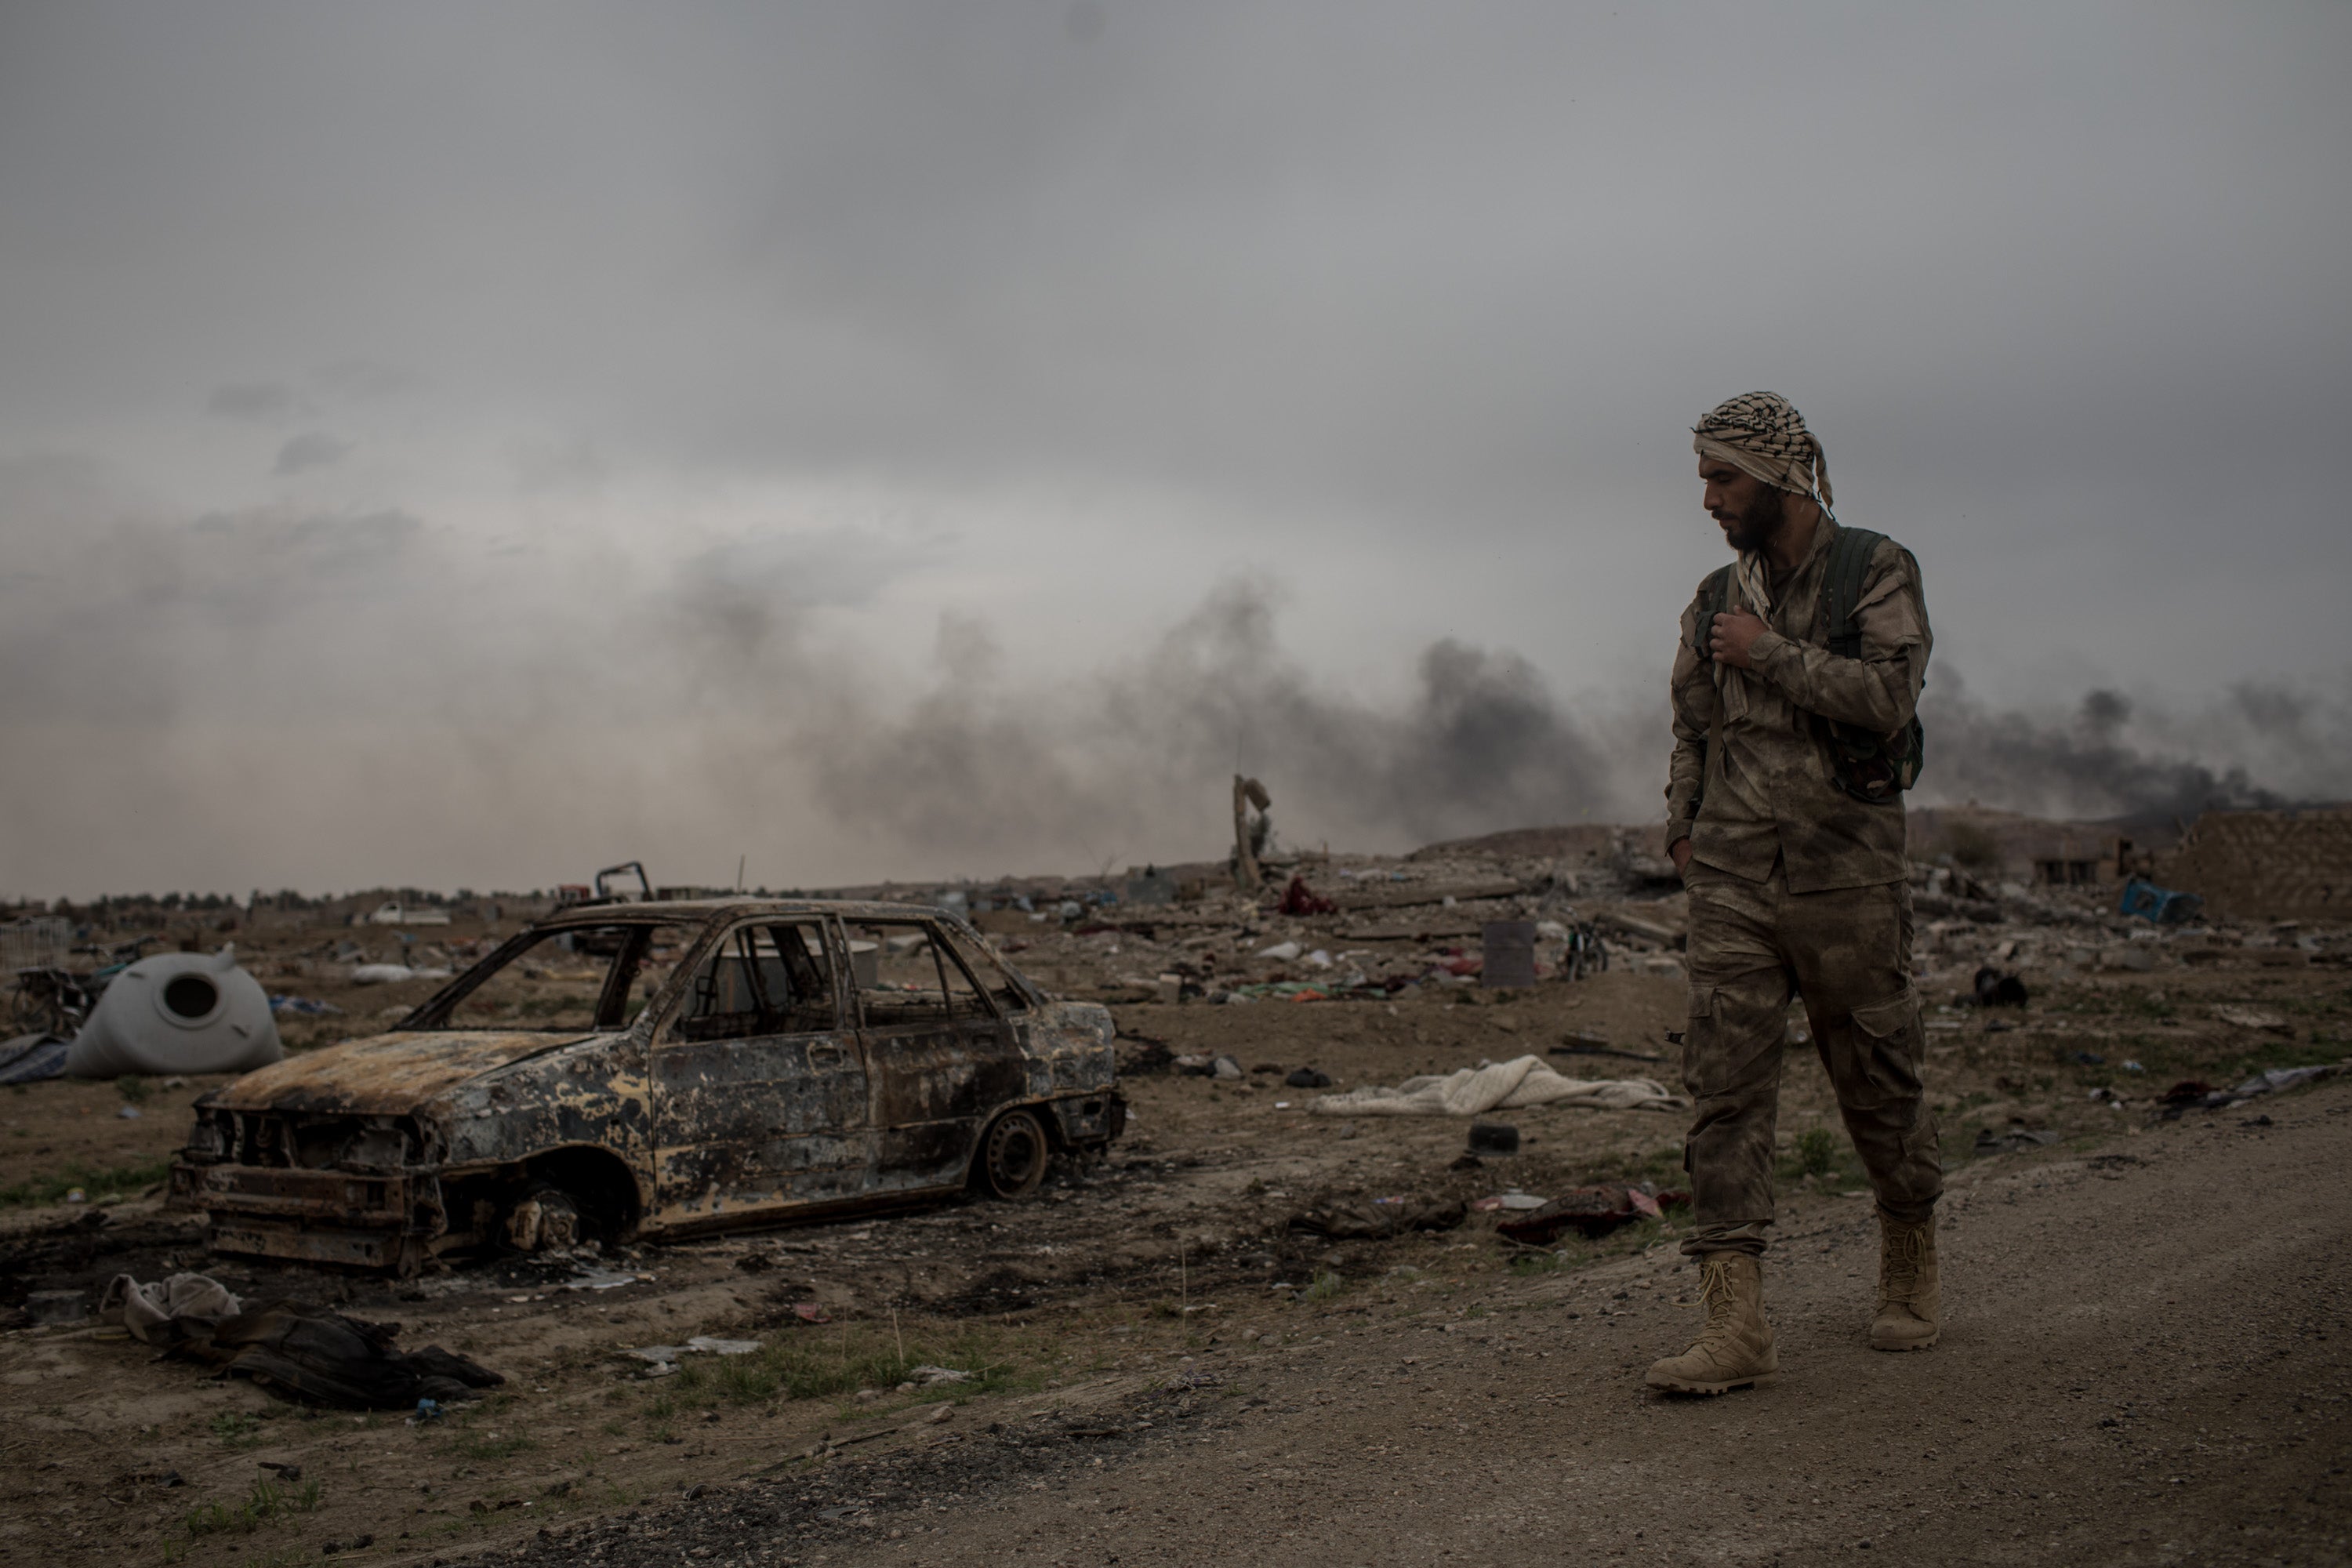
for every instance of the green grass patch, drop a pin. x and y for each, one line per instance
(98, 1185)
(1820, 1155)
(238, 1428)
(268, 1503)
(489, 1444)
(1327, 1286)
(813, 1363)
(284, 1557)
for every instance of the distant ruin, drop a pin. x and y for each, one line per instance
(2268, 865)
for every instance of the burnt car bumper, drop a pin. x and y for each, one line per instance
(1090, 1121)
(316, 1216)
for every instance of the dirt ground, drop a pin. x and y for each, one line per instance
(2147, 1359)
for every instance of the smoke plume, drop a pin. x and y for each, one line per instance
(325, 699)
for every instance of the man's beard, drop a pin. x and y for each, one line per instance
(1760, 521)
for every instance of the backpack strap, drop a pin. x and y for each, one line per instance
(1714, 599)
(1876, 769)
(1849, 564)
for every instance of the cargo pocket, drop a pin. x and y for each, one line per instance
(1695, 1037)
(1890, 1045)
(1895, 1019)
(1894, 1042)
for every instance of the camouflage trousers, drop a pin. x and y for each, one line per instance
(1848, 954)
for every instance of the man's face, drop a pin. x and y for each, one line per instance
(1748, 510)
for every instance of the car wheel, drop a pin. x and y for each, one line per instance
(1013, 1155)
(545, 1219)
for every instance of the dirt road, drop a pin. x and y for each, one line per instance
(2147, 1359)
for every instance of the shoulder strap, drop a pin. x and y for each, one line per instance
(1849, 565)
(1714, 599)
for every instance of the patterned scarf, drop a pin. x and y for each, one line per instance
(1761, 433)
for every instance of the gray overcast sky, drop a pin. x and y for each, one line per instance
(458, 444)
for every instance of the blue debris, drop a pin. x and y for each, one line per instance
(30, 1058)
(2160, 905)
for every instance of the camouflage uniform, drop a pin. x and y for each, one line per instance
(1796, 885)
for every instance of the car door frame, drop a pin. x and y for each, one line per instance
(814, 1150)
(934, 1086)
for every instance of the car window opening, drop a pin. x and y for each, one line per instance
(762, 980)
(915, 978)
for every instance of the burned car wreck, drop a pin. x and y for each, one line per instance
(660, 1068)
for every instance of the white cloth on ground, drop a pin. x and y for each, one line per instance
(1499, 1086)
(150, 1310)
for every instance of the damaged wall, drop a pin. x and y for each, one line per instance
(2268, 865)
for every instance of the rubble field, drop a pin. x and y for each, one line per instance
(969, 1349)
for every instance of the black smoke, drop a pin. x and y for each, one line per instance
(2258, 745)
(1109, 762)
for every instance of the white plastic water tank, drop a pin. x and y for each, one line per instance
(178, 1012)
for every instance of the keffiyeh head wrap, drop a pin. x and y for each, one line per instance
(1761, 433)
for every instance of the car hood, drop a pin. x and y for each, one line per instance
(385, 1076)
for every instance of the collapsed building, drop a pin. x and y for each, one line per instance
(2292, 865)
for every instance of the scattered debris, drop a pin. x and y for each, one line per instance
(1586, 1043)
(177, 1012)
(1494, 1138)
(2160, 905)
(1593, 1211)
(2011, 1141)
(56, 1309)
(33, 1059)
(1995, 989)
(1217, 1067)
(305, 1008)
(302, 1351)
(1377, 1220)
(1523, 1081)
(1514, 1200)
(2261, 1018)
(664, 1358)
(1299, 901)
(152, 1313)
(604, 1280)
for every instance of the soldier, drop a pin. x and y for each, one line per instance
(1795, 734)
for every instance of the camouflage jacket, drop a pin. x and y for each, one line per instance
(1765, 787)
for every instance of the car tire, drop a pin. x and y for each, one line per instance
(1013, 1154)
(545, 1219)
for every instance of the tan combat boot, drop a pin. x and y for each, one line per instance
(1735, 1349)
(1910, 1305)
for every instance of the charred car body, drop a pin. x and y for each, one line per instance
(657, 1068)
